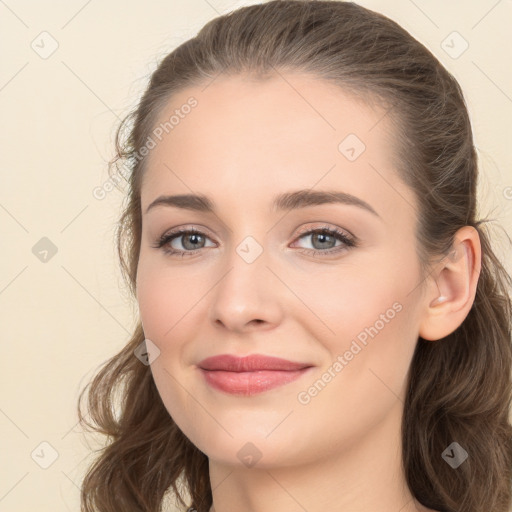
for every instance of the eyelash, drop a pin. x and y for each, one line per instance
(348, 242)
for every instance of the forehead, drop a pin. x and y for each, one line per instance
(289, 130)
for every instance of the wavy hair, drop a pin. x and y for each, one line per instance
(459, 388)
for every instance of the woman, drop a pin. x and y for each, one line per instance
(323, 322)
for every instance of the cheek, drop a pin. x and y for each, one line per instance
(347, 301)
(371, 321)
(350, 296)
(163, 298)
(367, 358)
(166, 301)
(153, 305)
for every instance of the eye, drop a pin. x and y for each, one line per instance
(192, 241)
(325, 238)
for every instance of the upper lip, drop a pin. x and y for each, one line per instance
(251, 363)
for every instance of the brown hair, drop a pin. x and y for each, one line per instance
(459, 388)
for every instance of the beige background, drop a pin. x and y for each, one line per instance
(61, 318)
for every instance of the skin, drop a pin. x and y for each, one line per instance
(243, 143)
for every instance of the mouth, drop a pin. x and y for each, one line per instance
(251, 374)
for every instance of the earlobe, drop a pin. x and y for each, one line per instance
(452, 287)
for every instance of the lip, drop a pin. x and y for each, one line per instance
(250, 375)
(251, 363)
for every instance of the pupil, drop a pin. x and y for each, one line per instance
(194, 238)
(322, 237)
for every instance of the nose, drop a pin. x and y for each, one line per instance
(248, 296)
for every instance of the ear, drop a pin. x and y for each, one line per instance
(452, 286)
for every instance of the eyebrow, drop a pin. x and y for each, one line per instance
(286, 201)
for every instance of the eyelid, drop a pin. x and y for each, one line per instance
(187, 228)
(306, 229)
(326, 227)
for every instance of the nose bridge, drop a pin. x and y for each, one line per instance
(244, 293)
(248, 242)
(246, 265)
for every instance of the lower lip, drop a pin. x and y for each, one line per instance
(250, 383)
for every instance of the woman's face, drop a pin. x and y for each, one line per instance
(255, 280)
